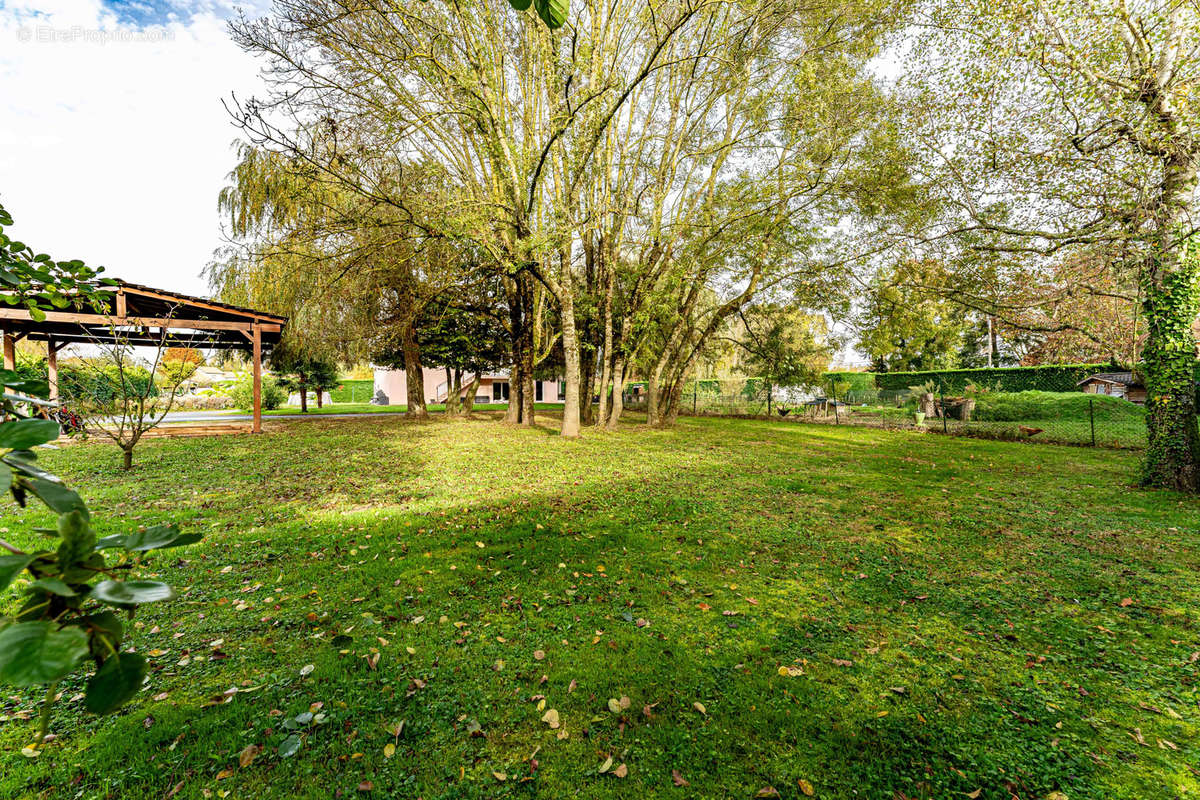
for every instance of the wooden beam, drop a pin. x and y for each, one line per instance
(187, 301)
(257, 356)
(52, 368)
(121, 304)
(20, 315)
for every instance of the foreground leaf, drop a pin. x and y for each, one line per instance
(115, 683)
(34, 653)
(127, 593)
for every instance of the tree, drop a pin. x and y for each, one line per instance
(903, 326)
(120, 394)
(784, 346)
(302, 372)
(632, 139)
(1045, 128)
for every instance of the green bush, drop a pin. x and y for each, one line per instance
(99, 385)
(242, 393)
(858, 381)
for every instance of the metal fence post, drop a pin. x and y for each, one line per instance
(1092, 418)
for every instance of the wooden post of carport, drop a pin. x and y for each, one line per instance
(257, 426)
(10, 350)
(52, 348)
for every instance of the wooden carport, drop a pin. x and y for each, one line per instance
(128, 313)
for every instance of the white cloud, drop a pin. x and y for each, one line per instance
(113, 139)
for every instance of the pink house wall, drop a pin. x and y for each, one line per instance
(394, 383)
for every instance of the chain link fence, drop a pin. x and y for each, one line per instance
(1103, 412)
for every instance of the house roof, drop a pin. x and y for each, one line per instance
(132, 311)
(1123, 378)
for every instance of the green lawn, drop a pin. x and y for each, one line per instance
(878, 614)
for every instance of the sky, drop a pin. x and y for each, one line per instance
(113, 139)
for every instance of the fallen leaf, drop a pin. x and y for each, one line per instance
(606, 766)
(500, 776)
(614, 705)
(366, 786)
(767, 791)
(975, 793)
(389, 750)
(678, 779)
(248, 754)
(551, 718)
(806, 788)
(700, 707)
(307, 670)
(539, 654)
(841, 662)
(621, 771)
(1125, 603)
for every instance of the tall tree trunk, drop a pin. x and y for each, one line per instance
(468, 403)
(512, 414)
(1171, 284)
(618, 394)
(587, 385)
(607, 348)
(303, 395)
(570, 344)
(414, 375)
(527, 350)
(319, 401)
(453, 388)
(127, 458)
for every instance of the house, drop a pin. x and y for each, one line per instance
(1117, 384)
(493, 387)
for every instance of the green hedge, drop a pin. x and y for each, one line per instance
(1050, 378)
(353, 391)
(859, 381)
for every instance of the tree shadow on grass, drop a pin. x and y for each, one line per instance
(673, 572)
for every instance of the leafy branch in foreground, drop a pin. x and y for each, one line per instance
(72, 593)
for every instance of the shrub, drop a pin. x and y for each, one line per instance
(203, 402)
(242, 393)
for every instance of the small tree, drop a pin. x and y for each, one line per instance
(302, 372)
(783, 346)
(121, 396)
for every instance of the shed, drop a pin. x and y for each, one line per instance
(1116, 384)
(133, 313)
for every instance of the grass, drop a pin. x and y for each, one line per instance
(957, 615)
(1058, 417)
